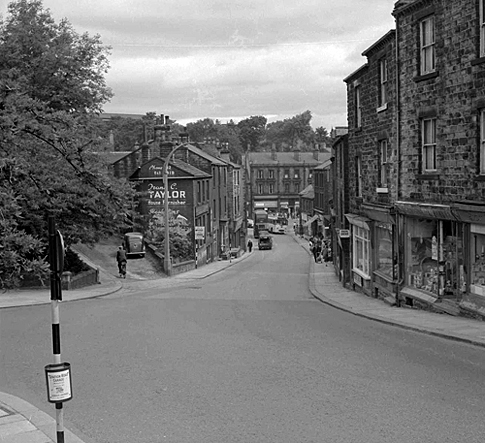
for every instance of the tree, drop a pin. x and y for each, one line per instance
(291, 132)
(51, 162)
(181, 247)
(252, 131)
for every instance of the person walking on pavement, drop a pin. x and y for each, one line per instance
(317, 249)
(121, 259)
(250, 245)
(325, 253)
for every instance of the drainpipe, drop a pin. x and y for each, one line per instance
(398, 233)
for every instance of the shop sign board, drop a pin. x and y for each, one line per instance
(344, 233)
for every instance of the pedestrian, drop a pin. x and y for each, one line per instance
(317, 249)
(250, 245)
(325, 253)
(121, 259)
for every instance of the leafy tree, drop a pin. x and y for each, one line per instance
(252, 131)
(202, 129)
(181, 247)
(51, 89)
(291, 132)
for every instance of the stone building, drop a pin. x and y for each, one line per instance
(441, 194)
(371, 102)
(417, 201)
(275, 179)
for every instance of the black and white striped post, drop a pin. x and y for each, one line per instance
(58, 375)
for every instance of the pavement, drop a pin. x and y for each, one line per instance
(21, 422)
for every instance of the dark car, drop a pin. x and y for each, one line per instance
(265, 241)
(134, 244)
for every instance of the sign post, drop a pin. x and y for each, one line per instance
(58, 375)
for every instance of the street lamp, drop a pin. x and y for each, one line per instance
(167, 261)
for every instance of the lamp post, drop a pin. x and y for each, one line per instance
(167, 261)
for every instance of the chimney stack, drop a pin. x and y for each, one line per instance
(274, 156)
(316, 151)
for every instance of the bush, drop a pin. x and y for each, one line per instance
(73, 263)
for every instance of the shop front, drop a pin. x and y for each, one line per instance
(361, 263)
(433, 254)
(383, 250)
(472, 284)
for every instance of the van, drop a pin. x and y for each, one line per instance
(265, 241)
(134, 244)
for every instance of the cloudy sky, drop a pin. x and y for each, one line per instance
(226, 59)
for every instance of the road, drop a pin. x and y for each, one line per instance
(246, 355)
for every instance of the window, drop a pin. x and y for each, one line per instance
(271, 188)
(427, 45)
(358, 107)
(287, 188)
(297, 187)
(384, 163)
(382, 82)
(287, 173)
(358, 177)
(199, 192)
(271, 173)
(260, 189)
(482, 142)
(384, 249)
(361, 250)
(429, 144)
(482, 28)
(297, 173)
(260, 173)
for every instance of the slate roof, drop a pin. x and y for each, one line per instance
(287, 158)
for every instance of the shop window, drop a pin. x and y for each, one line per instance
(361, 250)
(477, 259)
(434, 254)
(384, 249)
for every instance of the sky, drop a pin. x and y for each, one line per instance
(230, 59)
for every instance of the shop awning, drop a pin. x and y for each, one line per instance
(425, 210)
(469, 211)
(310, 220)
(265, 204)
(378, 213)
(358, 220)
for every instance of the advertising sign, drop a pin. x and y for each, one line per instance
(199, 232)
(59, 385)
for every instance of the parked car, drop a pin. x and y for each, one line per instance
(250, 223)
(134, 244)
(280, 229)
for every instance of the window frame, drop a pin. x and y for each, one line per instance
(428, 145)
(383, 82)
(383, 163)
(358, 176)
(260, 189)
(358, 106)
(260, 174)
(481, 155)
(427, 52)
(481, 24)
(360, 263)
